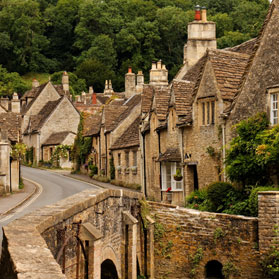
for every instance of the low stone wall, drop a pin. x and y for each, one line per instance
(186, 240)
(30, 244)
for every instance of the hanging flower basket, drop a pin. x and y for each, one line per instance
(178, 176)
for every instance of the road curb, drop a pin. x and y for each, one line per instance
(36, 189)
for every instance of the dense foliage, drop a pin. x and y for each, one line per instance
(253, 156)
(232, 201)
(98, 39)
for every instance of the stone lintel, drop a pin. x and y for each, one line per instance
(150, 220)
(128, 218)
(89, 232)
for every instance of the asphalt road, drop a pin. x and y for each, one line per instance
(55, 187)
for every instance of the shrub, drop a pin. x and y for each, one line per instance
(93, 170)
(217, 193)
(270, 263)
(199, 200)
(253, 198)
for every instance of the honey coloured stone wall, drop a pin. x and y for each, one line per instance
(44, 243)
(187, 240)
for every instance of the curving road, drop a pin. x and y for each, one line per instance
(55, 187)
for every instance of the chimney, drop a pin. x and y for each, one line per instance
(83, 97)
(130, 83)
(94, 98)
(5, 103)
(140, 82)
(203, 14)
(35, 83)
(158, 74)
(65, 82)
(110, 85)
(201, 36)
(197, 12)
(91, 91)
(15, 103)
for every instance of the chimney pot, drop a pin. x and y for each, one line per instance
(94, 98)
(130, 70)
(91, 90)
(203, 14)
(35, 83)
(197, 12)
(154, 66)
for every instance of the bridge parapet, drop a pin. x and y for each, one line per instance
(84, 235)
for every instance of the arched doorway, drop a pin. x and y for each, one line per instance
(108, 270)
(213, 270)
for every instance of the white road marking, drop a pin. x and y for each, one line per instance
(24, 205)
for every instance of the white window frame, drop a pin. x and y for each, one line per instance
(274, 108)
(176, 186)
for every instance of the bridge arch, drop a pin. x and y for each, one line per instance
(214, 270)
(109, 260)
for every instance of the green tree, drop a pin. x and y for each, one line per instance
(243, 165)
(10, 83)
(22, 26)
(77, 85)
(95, 73)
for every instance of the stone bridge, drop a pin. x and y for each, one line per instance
(93, 234)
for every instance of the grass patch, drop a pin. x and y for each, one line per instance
(41, 77)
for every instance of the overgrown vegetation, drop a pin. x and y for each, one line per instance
(251, 162)
(98, 40)
(270, 262)
(82, 146)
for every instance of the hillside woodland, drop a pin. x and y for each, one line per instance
(98, 39)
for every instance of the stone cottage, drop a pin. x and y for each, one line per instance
(110, 123)
(10, 134)
(187, 125)
(49, 118)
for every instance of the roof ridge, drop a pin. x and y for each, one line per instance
(250, 62)
(229, 52)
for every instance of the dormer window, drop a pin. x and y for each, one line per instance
(207, 115)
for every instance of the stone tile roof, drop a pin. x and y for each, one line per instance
(257, 42)
(35, 92)
(130, 138)
(171, 155)
(114, 114)
(157, 99)
(102, 99)
(246, 47)
(183, 94)
(56, 138)
(229, 68)
(38, 120)
(11, 124)
(147, 98)
(92, 124)
(162, 98)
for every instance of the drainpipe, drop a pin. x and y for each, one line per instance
(159, 146)
(106, 161)
(224, 148)
(100, 157)
(182, 159)
(10, 170)
(144, 165)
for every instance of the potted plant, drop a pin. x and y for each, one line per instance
(178, 176)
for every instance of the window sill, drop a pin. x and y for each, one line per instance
(172, 191)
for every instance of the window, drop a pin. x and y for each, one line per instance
(213, 112)
(134, 158)
(168, 171)
(203, 113)
(208, 113)
(119, 159)
(127, 159)
(274, 109)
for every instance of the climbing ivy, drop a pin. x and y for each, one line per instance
(61, 151)
(82, 145)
